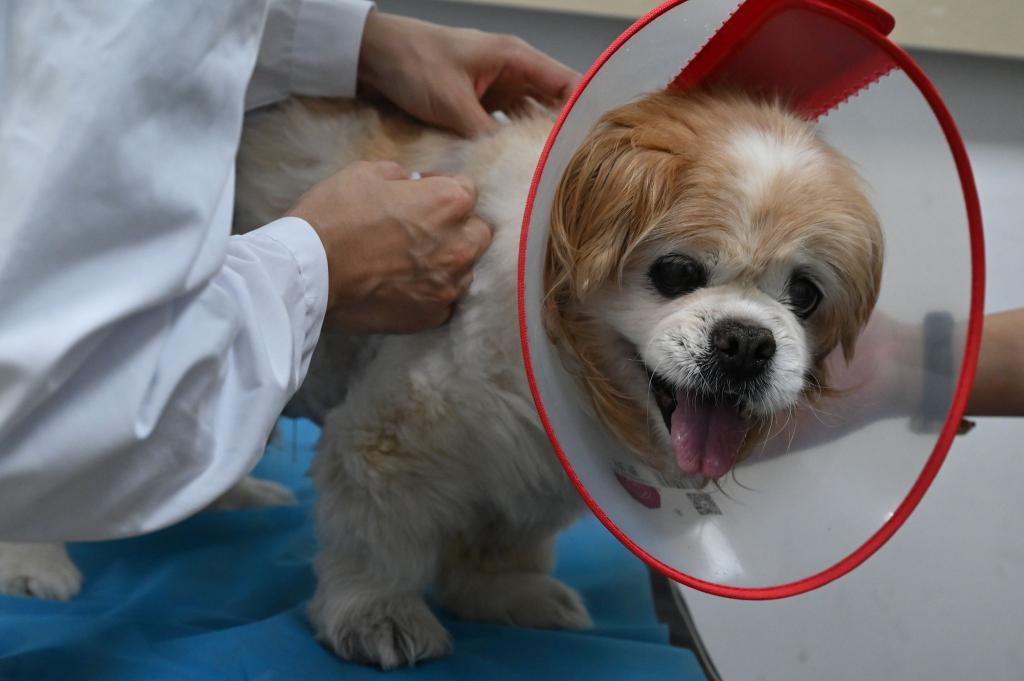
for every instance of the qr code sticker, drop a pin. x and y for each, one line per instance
(703, 503)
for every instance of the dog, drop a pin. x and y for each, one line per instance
(707, 252)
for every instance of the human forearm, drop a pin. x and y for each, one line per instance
(999, 381)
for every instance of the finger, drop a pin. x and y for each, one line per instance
(546, 76)
(478, 234)
(467, 185)
(464, 283)
(390, 170)
(464, 181)
(448, 199)
(439, 317)
(466, 115)
(413, 319)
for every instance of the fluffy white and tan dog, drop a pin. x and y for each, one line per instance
(706, 253)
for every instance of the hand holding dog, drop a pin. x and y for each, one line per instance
(400, 252)
(451, 77)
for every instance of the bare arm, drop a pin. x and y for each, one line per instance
(999, 380)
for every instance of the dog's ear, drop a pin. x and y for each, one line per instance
(856, 247)
(858, 252)
(864, 293)
(622, 180)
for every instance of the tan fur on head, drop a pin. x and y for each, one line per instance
(683, 169)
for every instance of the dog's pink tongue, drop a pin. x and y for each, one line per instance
(707, 438)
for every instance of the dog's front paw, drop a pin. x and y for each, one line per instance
(393, 632)
(40, 570)
(525, 599)
(254, 493)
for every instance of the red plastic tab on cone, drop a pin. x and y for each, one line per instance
(813, 52)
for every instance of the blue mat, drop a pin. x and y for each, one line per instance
(223, 595)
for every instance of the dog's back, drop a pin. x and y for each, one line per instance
(287, 148)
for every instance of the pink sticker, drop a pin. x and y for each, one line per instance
(645, 494)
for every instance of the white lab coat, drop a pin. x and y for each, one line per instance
(144, 352)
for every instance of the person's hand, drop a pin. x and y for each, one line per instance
(400, 252)
(451, 77)
(884, 378)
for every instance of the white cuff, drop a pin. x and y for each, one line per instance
(325, 49)
(306, 249)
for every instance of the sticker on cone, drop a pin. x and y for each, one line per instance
(835, 482)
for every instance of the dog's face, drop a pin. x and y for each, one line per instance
(707, 252)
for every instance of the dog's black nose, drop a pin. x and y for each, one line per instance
(741, 351)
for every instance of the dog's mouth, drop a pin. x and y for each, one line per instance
(707, 432)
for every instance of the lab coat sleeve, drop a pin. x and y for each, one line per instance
(309, 47)
(145, 353)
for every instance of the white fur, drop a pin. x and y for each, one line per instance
(40, 570)
(762, 158)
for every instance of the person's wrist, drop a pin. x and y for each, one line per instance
(331, 296)
(350, 276)
(377, 54)
(325, 242)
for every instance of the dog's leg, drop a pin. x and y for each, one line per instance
(504, 579)
(40, 570)
(369, 606)
(380, 522)
(252, 492)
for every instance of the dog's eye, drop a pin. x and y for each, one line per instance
(804, 296)
(675, 275)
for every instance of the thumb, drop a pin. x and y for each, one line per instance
(466, 115)
(389, 170)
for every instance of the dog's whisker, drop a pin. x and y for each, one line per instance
(650, 390)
